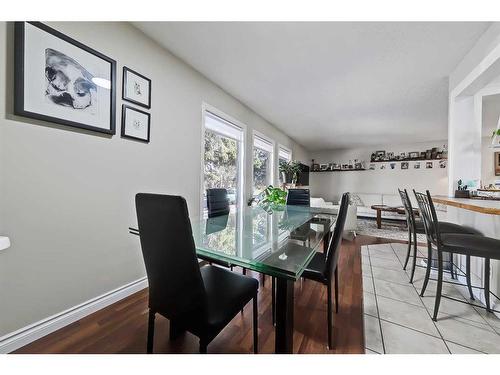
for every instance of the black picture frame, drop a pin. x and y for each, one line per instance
(19, 58)
(124, 88)
(123, 131)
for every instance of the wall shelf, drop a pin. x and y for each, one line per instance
(339, 170)
(399, 161)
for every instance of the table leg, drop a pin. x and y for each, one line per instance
(379, 219)
(284, 316)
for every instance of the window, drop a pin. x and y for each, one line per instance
(262, 164)
(284, 156)
(222, 159)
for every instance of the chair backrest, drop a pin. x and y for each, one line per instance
(410, 215)
(175, 283)
(217, 202)
(298, 197)
(332, 255)
(429, 217)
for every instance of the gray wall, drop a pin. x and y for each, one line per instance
(331, 185)
(66, 196)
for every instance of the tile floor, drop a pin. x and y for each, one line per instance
(398, 320)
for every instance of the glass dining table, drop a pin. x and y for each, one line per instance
(279, 243)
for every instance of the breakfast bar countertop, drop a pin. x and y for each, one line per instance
(491, 207)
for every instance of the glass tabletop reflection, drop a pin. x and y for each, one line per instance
(279, 243)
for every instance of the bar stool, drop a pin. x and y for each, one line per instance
(417, 226)
(459, 243)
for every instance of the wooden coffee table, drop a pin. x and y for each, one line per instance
(382, 207)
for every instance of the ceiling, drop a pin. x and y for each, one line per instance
(331, 84)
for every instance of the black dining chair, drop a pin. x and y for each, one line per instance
(217, 202)
(298, 197)
(417, 226)
(323, 268)
(458, 243)
(199, 300)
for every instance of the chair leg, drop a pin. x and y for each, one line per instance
(151, 331)
(203, 347)
(329, 312)
(244, 271)
(487, 283)
(428, 269)
(467, 276)
(273, 299)
(337, 290)
(439, 285)
(452, 269)
(255, 326)
(414, 257)
(409, 249)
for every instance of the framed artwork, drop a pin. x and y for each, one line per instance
(404, 165)
(416, 165)
(135, 123)
(136, 88)
(442, 164)
(497, 163)
(428, 165)
(372, 167)
(61, 80)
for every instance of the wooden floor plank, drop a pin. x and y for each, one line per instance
(122, 327)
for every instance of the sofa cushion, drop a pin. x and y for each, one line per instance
(370, 199)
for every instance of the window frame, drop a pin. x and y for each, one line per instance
(265, 138)
(205, 107)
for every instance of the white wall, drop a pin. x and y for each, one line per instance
(67, 196)
(330, 185)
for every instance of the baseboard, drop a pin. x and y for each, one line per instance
(28, 334)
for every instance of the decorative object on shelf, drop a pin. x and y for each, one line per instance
(404, 165)
(461, 191)
(61, 80)
(382, 166)
(429, 165)
(372, 166)
(390, 156)
(416, 165)
(136, 88)
(392, 165)
(496, 163)
(4, 243)
(290, 171)
(442, 164)
(495, 137)
(314, 166)
(323, 167)
(414, 155)
(428, 154)
(135, 123)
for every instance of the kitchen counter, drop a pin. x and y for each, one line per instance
(484, 206)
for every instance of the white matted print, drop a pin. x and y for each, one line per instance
(136, 88)
(58, 79)
(135, 123)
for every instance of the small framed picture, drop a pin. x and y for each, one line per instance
(416, 165)
(135, 123)
(442, 164)
(136, 88)
(404, 165)
(428, 165)
(497, 163)
(372, 166)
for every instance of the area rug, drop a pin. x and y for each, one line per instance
(394, 230)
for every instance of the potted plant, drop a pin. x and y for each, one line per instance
(290, 171)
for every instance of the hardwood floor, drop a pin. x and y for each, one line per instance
(122, 327)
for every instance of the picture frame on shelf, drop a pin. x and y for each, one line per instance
(496, 163)
(136, 88)
(442, 163)
(48, 67)
(428, 165)
(404, 165)
(136, 124)
(416, 165)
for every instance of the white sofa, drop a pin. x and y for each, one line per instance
(351, 219)
(364, 202)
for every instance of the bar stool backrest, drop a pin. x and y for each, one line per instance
(410, 215)
(429, 217)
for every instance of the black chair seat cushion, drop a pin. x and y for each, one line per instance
(446, 227)
(227, 293)
(316, 268)
(471, 244)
